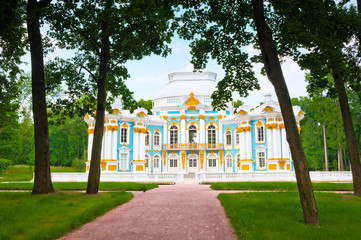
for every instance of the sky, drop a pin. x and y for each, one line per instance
(151, 73)
(148, 75)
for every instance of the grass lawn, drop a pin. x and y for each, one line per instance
(317, 186)
(278, 215)
(24, 173)
(26, 216)
(114, 186)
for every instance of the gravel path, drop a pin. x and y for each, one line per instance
(181, 211)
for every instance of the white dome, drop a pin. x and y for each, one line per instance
(183, 83)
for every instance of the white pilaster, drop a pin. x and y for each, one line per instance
(115, 142)
(135, 145)
(278, 139)
(248, 145)
(269, 143)
(141, 146)
(201, 131)
(90, 142)
(165, 135)
(275, 143)
(242, 146)
(107, 142)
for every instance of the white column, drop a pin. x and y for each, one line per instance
(108, 142)
(248, 145)
(165, 135)
(142, 146)
(285, 150)
(183, 130)
(90, 142)
(242, 146)
(275, 143)
(115, 142)
(269, 143)
(135, 145)
(278, 139)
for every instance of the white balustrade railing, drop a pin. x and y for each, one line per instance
(203, 177)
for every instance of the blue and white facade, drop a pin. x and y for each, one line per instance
(185, 135)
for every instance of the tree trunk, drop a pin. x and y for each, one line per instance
(42, 179)
(275, 75)
(94, 171)
(349, 132)
(325, 146)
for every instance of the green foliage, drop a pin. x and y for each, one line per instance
(220, 30)
(12, 45)
(4, 164)
(135, 29)
(78, 164)
(26, 216)
(278, 215)
(237, 104)
(147, 104)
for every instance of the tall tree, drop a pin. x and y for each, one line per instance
(221, 30)
(42, 178)
(106, 34)
(325, 36)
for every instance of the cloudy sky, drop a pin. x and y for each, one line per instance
(151, 73)
(148, 75)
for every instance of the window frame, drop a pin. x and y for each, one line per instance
(210, 134)
(173, 130)
(228, 138)
(259, 160)
(260, 128)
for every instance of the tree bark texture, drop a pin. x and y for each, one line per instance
(349, 132)
(94, 170)
(42, 179)
(275, 75)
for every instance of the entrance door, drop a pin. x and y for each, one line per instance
(212, 165)
(192, 165)
(173, 165)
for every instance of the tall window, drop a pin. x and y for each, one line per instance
(229, 161)
(237, 137)
(261, 160)
(147, 138)
(260, 133)
(211, 134)
(212, 162)
(192, 134)
(123, 135)
(173, 134)
(123, 158)
(173, 163)
(228, 138)
(156, 161)
(157, 139)
(237, 157)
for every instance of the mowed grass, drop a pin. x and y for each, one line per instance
(283, 186)
(24, 173)
(106, 186)
(278, 215)
(26, 216)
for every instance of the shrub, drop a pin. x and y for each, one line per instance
(4, 164)
(78, 164)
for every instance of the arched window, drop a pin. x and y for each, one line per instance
(192, 134)
(124, 135)
(156, 161)
(259, 130)
(229, 161)
(156, 139)
(147, 138)
(228, 138)
(237, 157)
(173, 134)
(211, 134)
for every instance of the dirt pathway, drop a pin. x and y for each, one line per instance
(181, 211)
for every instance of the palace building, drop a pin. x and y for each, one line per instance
(185, 135)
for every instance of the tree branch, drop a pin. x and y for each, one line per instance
(120, 61)
(87, 69)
